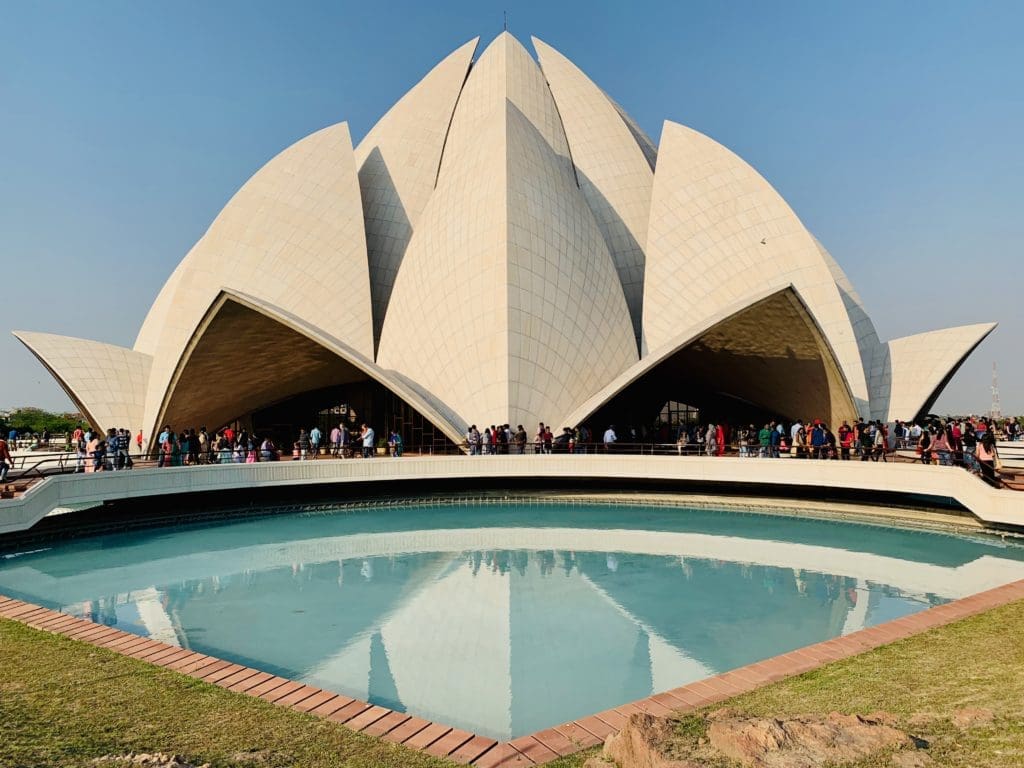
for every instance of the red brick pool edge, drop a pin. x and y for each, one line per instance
(467, 748)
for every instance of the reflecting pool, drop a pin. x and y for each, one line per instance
(505, 619)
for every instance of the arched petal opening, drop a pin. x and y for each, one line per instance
(764, 356)
(247, 355)
(719, 230)
(292, 236)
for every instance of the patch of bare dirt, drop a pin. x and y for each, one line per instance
(759, 742)
(147, 760)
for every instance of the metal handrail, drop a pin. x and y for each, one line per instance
(33, 467)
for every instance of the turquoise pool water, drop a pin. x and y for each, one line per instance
(505, 619)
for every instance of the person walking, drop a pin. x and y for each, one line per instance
(924, 446)
(315, 436)
(396, 444)
(610, 438)
(346, 437)
(986, 458)
(163, 452)
(6, 460)
(880, 442)
(367, 435)
(175, 458)
(940, 448)
(520, 440)
(845, 441)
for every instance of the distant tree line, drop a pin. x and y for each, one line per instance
(36, 420)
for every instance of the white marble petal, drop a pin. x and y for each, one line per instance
(614, 175)
(717, 231)
(398, 164)
(107, 382)
(293, 236)
(507, 302)
(910, 372)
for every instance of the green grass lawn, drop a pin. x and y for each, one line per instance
(977, 662)
(64, 703)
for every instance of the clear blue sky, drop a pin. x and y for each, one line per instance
(895, 130)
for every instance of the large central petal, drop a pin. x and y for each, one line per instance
(508, 303)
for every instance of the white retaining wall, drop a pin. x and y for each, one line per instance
(83, 490)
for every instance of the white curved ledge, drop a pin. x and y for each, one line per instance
(735, 475)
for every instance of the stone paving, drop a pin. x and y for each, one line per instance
(463, 747)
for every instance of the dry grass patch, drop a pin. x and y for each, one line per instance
(66, 703)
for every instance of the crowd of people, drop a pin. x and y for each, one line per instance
(230, 446)
(344, 443)
(97, 451)
(502, 439)
(968, 442)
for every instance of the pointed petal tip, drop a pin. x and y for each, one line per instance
(472, 44)
(506, 38)
(543, 50)
(981, 330)
(25, 337)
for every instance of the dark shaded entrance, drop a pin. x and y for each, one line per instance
(246, 368)
(769, 361)
(350, 404)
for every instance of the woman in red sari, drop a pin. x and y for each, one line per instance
(719, 440)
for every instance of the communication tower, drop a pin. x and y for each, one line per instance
(996, 412)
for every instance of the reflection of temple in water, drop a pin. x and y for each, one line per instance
(532, 637)
(503, 630)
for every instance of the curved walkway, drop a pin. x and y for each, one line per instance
(993, 507)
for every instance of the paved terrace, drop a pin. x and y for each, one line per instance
(996, 508)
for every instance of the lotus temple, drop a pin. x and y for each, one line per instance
(505, 245)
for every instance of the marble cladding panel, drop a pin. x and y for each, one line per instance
(504, 72)
(446, 326)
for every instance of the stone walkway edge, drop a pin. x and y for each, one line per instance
(470, 749)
